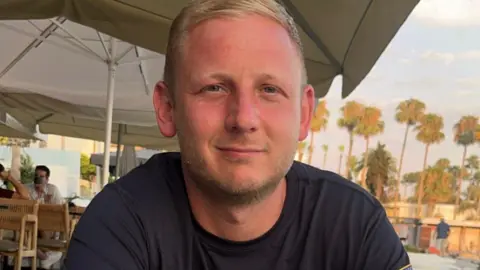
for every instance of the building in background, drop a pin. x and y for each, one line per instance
(69, 144)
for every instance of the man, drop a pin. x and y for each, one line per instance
(442, 232)
(43, 191)
(47, 193)
(21, 192)
(236, 96)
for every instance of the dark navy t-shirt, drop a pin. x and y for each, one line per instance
(442, 230)
(143, 221)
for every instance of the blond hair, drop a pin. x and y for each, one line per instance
(198, 11)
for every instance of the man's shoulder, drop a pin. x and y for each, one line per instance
(332, 186)
(157, 178)
(163, 166)
(52, 187)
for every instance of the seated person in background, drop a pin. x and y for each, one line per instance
(21, 192)
(43, 191)
(46, 193)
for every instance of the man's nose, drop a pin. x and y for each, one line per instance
(243, 112)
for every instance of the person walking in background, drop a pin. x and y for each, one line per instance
(442, 232)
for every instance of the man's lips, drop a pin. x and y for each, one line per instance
(241, 151)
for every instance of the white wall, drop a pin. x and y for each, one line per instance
(67, 184)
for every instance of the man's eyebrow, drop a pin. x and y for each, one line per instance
(220, 76)
(226, 76)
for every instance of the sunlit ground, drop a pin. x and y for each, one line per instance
(434, 262)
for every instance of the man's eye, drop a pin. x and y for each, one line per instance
(270, 90)
(213, 88)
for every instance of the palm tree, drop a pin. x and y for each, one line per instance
(370, 125)
(473, 164)
(473, 167)
(439, 182)
(381, 170)
(464, 135)
(408, 112)
(456, 172)
(472, 170)
(352, 112)
(477, 133)
(410, 179)
(439, 186)
(319, 122)
(352, 165)
(301, 150)
(341, 149)
(325, 153)
(429, 132)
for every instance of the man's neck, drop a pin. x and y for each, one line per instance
(241, 223)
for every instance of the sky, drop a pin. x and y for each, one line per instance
(435, 57)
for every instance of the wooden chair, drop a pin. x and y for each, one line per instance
(19, 216)
(75, 213)
(54, 218)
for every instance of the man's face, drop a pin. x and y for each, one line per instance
(43, 175)
(4, 175)
(239, 106)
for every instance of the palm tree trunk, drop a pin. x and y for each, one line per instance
(379, 188)
(399, 172)
(365, 163)
(350, 148)
(420, 185)
(478, 208)
(340, 163)
(459, 186)
(62, 143)
(325, 159)
(300, 156)
(430, 207)
(310, 149)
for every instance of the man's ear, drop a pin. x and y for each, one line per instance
(306, 111)
(164, 110)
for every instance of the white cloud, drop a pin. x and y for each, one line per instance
(383, 104)
(464, 93)
(470, 82)
(448, 57)
(423, 84)
(456, 13)
(474, 54)
(405, 60)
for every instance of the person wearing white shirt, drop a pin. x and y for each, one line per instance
(45, 193)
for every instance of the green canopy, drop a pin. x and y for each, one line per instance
(340, 36)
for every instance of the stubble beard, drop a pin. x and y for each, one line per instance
(220, 190)
(224, 194)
